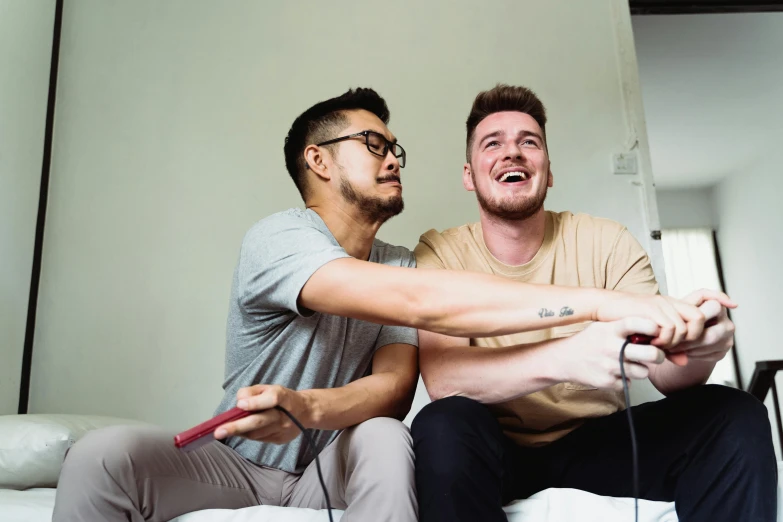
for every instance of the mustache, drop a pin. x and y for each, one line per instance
(393, 177)
(516, 165)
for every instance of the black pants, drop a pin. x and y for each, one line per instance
(708, 449)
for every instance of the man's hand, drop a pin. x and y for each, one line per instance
(678, 320)
(716, 341)
(695, 360)
(699, 297)
(592, 357)
(268, 424)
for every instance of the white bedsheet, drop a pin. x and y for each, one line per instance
(31, 505)
(552, 505)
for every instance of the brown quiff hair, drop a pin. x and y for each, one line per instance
(504, 98)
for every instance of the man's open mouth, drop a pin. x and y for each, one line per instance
(513, 176)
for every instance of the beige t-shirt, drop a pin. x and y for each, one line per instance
(578, 250)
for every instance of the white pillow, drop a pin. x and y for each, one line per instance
(32, 447)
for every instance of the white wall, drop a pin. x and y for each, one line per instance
(25, 51)
(749, 235)
(171, 118)
(712, 86)
(677, 208)
(686, 207)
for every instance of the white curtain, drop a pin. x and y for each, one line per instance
(690, 264)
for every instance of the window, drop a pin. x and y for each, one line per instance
(690, 262)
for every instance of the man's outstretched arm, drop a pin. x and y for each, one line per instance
(468, 304)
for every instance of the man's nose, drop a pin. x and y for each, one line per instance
(394, 162)
(513, 151)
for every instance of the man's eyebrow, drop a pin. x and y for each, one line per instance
(393, 138)
(531, 133)
(522, 133)
(493, 134)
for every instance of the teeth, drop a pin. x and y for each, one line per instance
(521, 174)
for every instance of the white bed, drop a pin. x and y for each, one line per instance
(553, 505)
(32, 447)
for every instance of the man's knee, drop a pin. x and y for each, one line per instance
(742, 410)
(744, 431)
(383, 443)
(451, 434)
(381, 435)
(452, 417)
(107, 450)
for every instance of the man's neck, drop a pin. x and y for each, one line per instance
(351, 230)
(513, 242)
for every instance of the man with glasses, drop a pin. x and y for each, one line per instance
(322, 321)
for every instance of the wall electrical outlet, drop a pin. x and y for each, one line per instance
(624, 163)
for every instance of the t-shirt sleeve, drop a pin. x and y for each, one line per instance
(629, 268)
(279, 254)
(426, 252)
(399, 334)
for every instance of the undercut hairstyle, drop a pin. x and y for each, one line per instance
(322, 122)
(504, 98)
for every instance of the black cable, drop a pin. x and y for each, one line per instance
(309, 439)
(634, 449)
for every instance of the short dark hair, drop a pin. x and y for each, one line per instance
(502, 98)
(322, 122)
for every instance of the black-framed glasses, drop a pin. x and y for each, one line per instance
(376, 143)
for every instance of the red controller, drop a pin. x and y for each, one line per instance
(646, 339)
(200, 435)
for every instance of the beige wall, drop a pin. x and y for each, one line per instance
(25, 52)
(170, 128)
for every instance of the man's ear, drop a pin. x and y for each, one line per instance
(550, 179)
(467, 178)
(314, 158)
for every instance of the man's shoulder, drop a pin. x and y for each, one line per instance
(586, 226)
(450, 236)
(394, 255)
(283, 221)
(291, 216)
(580, 219)
(451, 248)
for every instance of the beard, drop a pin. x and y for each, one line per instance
(374, 208)
(514, 210)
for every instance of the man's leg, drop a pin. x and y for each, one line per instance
(368, 471)
(708, 448)
(134, 474)
(463, 462)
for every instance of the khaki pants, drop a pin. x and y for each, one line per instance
(134, 474)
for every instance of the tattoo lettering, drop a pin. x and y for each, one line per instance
(565, 311)
(545, 313)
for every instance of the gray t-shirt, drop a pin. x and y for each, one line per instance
(270, 340)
